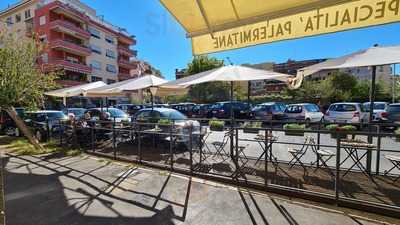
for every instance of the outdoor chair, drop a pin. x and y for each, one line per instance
(323, 156)
(219, 146)
(298, 154)
(204, 148)
(395, 160)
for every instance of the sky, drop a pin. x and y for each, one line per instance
(162, 41)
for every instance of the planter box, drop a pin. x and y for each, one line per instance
(251, 130)
(216, 128)
(294, 132)
(338, 136)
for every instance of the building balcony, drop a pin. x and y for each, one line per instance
(125, 64)
(69, 28)
(69, 83)
(126, 51)
(63, 45)
(124, 76)
(129, 40)
(64, 9)
(58, 64)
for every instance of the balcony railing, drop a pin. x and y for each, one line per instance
(67, 65)
(67, 27)
(125, 63)
(70, 47)
(63, 7)
(127, 51)
(124, 76)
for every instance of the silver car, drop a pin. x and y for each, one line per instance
(380, 113)
(346, 112)
(304, 112)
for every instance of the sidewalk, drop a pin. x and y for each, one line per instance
(85, 190)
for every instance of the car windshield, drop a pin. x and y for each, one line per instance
(56, 115)
(343, 108)
(394, 109)
(312, 108)
(173, 115)
(117, 113)
(377, 106)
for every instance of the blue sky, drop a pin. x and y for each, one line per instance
(162, 41)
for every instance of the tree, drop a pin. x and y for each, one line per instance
(207, 92)
(22, 83)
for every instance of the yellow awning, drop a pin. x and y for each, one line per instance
(218, 25)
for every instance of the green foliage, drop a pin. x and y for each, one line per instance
(22, 147)
(348, 128)
(217, 124)
(165, 122)
(332, 127)
(397, 132)
(207, 92)
(294, 126)
(252, 125)
(22, 83)
(337, 87)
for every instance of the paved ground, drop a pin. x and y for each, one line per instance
(84, 190)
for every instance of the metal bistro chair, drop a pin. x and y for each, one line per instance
(395, 160)
(205, 150)
(323, 156)
(220, 146)
(299, 153)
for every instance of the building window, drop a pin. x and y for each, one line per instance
(111, 68)
(95, 49)
(95, 33)
(95, 79)
(9, 21)
(28, 14)
(109, 81)
(43, 39)
(95, 65)
(110, 39)
(72, 60)
(110, 53)
(18, 18)
(42, 20)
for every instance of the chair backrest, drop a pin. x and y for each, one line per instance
(307, 144)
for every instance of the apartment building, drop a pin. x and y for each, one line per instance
(78, 41)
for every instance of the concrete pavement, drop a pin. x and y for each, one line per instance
(85, 190)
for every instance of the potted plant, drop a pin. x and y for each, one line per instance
(216, 125)
(252, 127)
(340, 131)
(165, 123)
(294, 129)
(397, 133)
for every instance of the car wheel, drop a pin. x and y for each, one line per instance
(308, 121)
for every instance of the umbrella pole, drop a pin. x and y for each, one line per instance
(65, 102)
(232, 120)
(107, 103)
(152, 100)
(371, 114)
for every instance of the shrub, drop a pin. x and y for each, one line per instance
(164, 122)
(252, 125)
(348, 128)
(216, 124)
(294, 126)
(332, 127)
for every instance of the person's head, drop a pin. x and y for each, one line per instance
(87, 116)
(71, 116)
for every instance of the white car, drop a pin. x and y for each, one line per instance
(346, 112)
(304, 112)
(380, 113)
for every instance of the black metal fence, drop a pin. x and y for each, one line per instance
(350, 168)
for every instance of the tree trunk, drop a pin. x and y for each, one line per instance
(23, 128)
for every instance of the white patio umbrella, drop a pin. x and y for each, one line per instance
(75, 90)
(373, 57)
(231, 74)
(150, 82)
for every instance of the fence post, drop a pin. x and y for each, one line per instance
(378, 151)
(139, 143)
(337, 177)
(171, 142)
(266, 142)
(93, 138)
(114, 140)
(236, 133)
(191, 147)
(62, 132)
(318, 141)
(48, 129)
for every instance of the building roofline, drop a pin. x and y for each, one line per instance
(15, 6)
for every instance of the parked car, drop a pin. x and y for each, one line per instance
(117, 114)
(77, 112)
(305, 112)
(269, 111)
(201, 110)
(7, 124)
(181, 122)
(222, 110)
(131, 109)
(185, 108)
(380, 113)
(394, 113)
(346, 112)
(45, 122)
